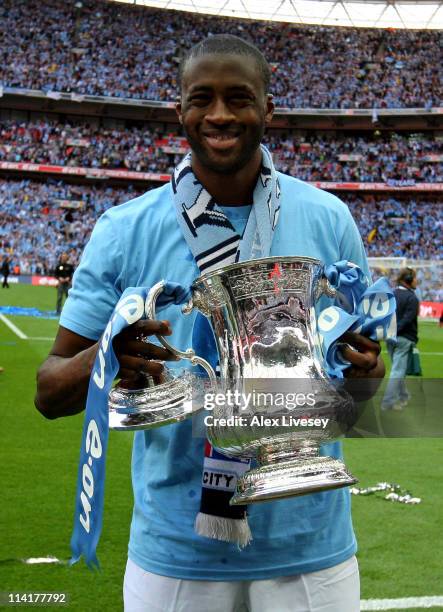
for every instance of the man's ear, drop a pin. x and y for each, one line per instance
(178, 108)
(269, 108)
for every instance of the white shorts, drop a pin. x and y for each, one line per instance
(336, 589)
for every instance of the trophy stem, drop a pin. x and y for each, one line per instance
(286, 472)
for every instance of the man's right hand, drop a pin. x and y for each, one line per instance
(137, 356)
(63, 378)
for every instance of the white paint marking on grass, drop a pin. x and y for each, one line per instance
(404, 603)
(18, 332)
(41, 338)
(49, 559)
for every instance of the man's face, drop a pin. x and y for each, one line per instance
(224, 110)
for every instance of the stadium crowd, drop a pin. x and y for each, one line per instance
(107, 49)
(83, 145)
(360, 158)
(312, 157)
(409, 227)
(101, 48)
(40, 220)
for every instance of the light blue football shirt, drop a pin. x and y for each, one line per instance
(138, 244)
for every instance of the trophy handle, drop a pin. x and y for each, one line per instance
(189, 354)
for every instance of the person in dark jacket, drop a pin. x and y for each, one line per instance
(396, 396)
(5, 270)
(63, 273)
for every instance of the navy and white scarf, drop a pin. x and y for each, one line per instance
(209, 233)
(214, 243)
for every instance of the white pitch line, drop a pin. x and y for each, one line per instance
(404, 603)
(41, 338)
(18, 332)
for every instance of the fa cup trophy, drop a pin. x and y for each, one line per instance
(265, 316)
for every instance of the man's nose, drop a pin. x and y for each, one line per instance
(219, 112)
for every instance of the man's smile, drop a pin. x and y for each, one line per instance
(221, 141)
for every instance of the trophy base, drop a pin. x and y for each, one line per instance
(291, 478)
(163, 404)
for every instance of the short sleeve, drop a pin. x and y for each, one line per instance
(96, 284)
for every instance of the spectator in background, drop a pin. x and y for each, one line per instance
(63, 273)
(396, 396)
(4, 270)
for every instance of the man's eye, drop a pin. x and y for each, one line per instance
(241, 99)
(199, 99)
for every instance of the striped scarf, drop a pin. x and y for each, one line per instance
(214, 243)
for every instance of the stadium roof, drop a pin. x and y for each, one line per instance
(421, 14)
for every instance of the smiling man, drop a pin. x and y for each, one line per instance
(225, 203)
(224, 108)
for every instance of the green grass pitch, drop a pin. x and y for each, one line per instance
(399, 546)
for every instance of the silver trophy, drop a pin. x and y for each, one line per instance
(265, 318)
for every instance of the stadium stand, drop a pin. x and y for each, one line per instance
(309, 156)
(401, 227)
(40, 220)
(77, 47)
(107, 49)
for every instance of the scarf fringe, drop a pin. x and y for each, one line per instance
(225, 529)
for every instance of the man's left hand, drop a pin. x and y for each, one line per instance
(367, 366)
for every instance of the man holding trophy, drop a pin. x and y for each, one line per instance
(225, 204)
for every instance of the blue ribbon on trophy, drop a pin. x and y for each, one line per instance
(91, 472)
(360, 308)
